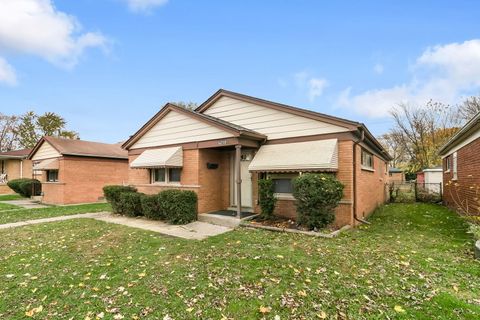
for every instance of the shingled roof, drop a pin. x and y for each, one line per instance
(20, 154)
(83, 148)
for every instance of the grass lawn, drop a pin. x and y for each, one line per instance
(414, 261)
(29, 214)
(7, 197)
(6, 206)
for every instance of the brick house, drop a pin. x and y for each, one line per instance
(75, 171)
(461, 164)
(396, 175)
(221, 149)
(14, 165)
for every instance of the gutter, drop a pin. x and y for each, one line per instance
(355, 144)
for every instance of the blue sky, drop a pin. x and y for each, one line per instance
(108, 65)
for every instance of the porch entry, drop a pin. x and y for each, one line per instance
(246, 176)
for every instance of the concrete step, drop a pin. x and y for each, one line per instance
(219, 220)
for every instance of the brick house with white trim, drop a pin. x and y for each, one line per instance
(14, 165)
(75, 171)
(461, 168)
(222, 148)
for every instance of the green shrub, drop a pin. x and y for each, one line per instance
(112, 195)
(179, 207)
(317, 196)
(24, 186)
(151, 207)
(130, 203)
(266, 197)
(15, 184)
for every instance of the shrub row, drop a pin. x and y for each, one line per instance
(24, 186)
(173, 206)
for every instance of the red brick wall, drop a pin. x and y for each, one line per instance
(371, 185)
(81, 179)
(344, 212)
(211, 185)
(214, 189)
(465, 188)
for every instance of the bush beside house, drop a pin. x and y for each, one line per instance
(317, 196)
(267, 199)
(24, 186)
(173, 206)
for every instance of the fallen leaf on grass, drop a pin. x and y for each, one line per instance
(34, 311)
(264, 310)
(399, 309)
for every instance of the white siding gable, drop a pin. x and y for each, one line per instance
(46, 151)
(176, 127)
(273, 123)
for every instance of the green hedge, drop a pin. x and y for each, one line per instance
(24, 186)
(178, 206)
(112, 195)
(152, 208)
(317, 196)
(174, 206)
(130, 203)
(267, 199)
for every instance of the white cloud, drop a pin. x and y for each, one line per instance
(144, 5)
(378, 68)
(443, 73)
(7, 73)
(37, 28)
(314, 87)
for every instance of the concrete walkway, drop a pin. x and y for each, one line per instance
(26, 203)
(195, 231)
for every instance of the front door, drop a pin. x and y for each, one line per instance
(246, 180)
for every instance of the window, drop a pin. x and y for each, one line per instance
(283, 185)
(163, 175)
(367, 160)
(447, 164)
(52, 175)
(282, 182)
(158, 175)
(455, 173)
(174, 174)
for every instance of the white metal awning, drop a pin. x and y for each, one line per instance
(48, 164)
(320, 155)
(158, 158)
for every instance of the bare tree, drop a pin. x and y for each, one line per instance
(392, 142)
(186, 105)
(422, 130)
(469, 108)
(8, 136)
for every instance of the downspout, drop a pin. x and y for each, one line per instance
(355, 144)
(21, 168)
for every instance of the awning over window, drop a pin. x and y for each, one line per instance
(158, 158)
(300, 156)
(48, 164)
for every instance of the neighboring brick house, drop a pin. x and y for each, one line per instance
(396, 175)
(461, 169)
(221, 149)
(14, 165)
(75, 171)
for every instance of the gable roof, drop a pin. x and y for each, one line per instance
(470, 128)
(275, 105)
(82, 148)
(236, 130)
(350, 125)
(15, 154)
